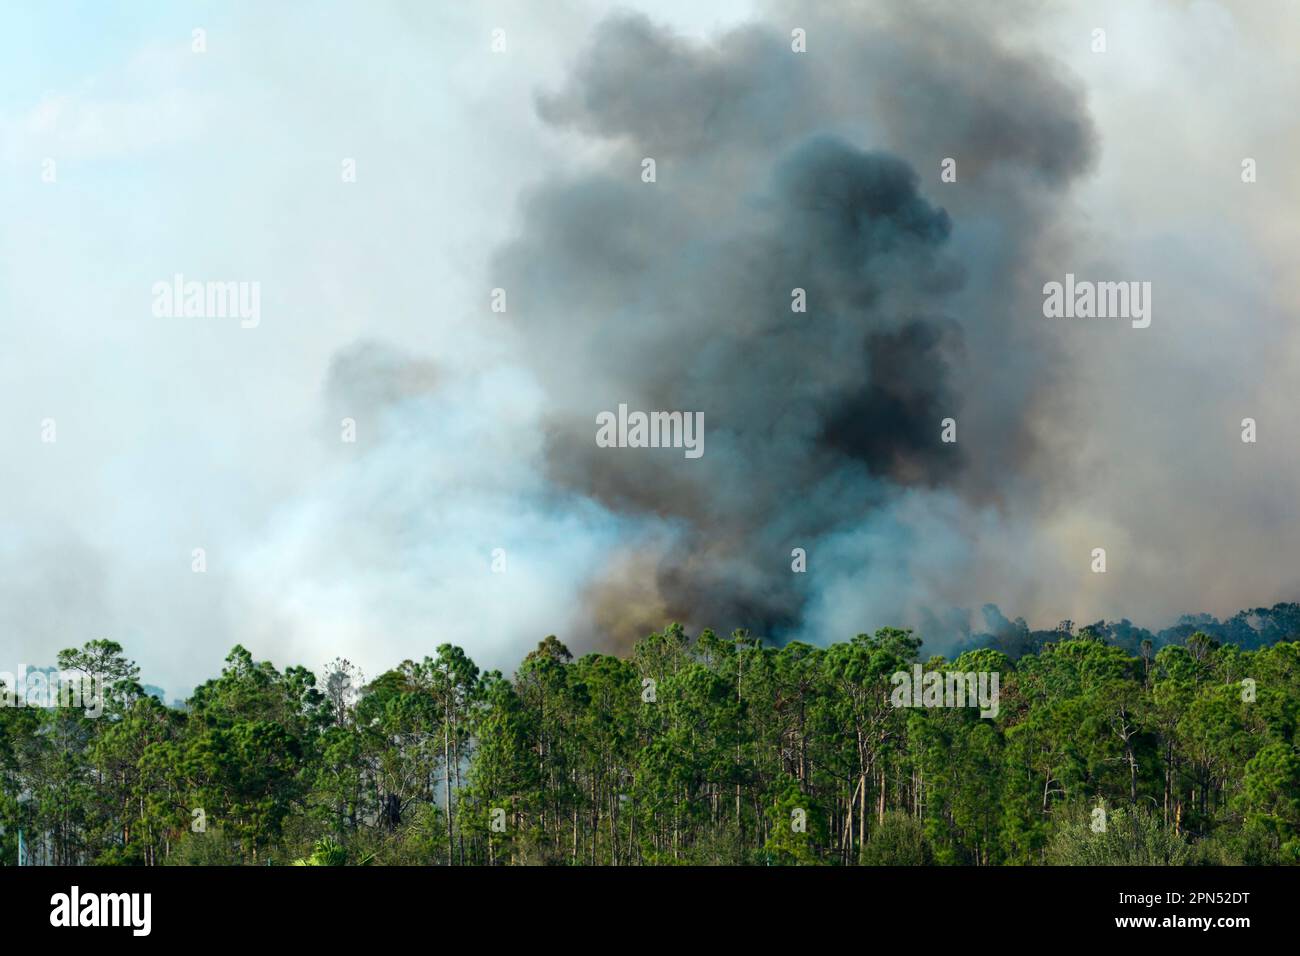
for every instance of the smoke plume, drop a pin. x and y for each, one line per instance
(677, 295)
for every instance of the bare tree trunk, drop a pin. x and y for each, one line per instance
(881, 815)
(446, 782)
(862, 809)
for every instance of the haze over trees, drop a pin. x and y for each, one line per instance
(693, 750)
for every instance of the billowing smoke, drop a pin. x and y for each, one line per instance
(798, 272)
(475, 506)
(678, 294)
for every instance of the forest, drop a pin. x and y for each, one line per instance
(691, 750)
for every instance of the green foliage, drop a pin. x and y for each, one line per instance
(326, 852)
(1132, 836)
(899, 840)
(712, 750)
(796, 826)
(209, 848)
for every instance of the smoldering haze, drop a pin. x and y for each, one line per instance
(812, 417)
(472, 429)
(678, 294)
(823, 426)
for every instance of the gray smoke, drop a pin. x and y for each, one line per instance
(474, 506)
(778, 171)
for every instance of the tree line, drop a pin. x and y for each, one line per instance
(691, 750)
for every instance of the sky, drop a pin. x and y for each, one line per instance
(520, 168)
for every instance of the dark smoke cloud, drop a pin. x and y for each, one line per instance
(779, 171)
(643, 83)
